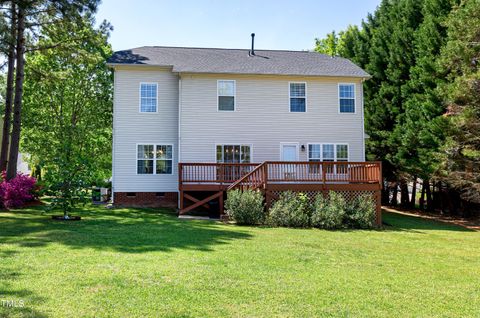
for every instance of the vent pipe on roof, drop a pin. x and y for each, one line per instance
(252, 51)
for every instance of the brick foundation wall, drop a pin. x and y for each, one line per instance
(146, 199)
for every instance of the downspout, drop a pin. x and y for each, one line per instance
(179, 130)
(113, 137)
(363, 120)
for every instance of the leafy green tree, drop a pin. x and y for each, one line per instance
(25, 21)
(68, 99)
(327, 45)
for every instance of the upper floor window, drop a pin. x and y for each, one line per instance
(148, 97)
(154, 159)
(226, 95)
(298, 97)
(346, 94)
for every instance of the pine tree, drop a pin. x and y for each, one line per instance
(460, 60)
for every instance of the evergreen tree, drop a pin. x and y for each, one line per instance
(460, 60)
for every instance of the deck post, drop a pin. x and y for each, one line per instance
(181, 201)
(220, 204)
(378, 205)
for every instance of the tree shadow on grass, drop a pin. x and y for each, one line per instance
(123, 230)
(401, 222)
(17, 302)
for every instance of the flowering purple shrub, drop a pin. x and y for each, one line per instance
(17, 191)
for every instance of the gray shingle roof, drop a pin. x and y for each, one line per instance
(238, 61)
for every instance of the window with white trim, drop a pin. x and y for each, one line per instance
(329, 153)
(148, 97)
(154, 159)
(233, 153)
(226, 95)
(298, 97)
(342, 152)
(346, 95)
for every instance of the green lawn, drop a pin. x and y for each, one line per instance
(147, 263)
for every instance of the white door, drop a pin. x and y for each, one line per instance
(289, 153)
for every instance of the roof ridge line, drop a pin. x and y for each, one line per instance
(221, 48)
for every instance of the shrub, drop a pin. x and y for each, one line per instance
(245, 207)
(328, 212)
(17, 191)
(361, 213)
(290, 210)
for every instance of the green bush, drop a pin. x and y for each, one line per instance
(328, 212)
(361, 213)
(290, 210)
(245, 207)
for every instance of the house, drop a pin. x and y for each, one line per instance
(222, 112)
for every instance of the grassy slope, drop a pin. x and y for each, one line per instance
(143, 263)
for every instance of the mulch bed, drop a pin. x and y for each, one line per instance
(70, 218)
(472, 224)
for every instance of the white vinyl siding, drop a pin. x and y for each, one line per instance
(262, 119)
(132, 128)
(148, 97)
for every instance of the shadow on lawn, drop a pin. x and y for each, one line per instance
(16, 303)
(401, 222)
(124, 230)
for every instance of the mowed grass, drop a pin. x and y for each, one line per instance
(148, 263)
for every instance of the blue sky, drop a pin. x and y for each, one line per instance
(291, 25)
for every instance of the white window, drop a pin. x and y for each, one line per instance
(298, 97)
(233, 154)
(342, 152)
(145, 159)
(148, 97)
(314, 153)
(226, 95)
(328, 153)
(346, 95)
(154, 159)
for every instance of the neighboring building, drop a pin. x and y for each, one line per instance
(205, 105)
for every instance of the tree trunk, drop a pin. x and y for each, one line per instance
(414, 193)
(428, 192)
(404, 198)
(9, 93)
(421, 202)
(394, 201)
(385, 193)
(17, 104)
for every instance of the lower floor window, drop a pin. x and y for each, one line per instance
(233, 153)
(154, 159)
(328, 153)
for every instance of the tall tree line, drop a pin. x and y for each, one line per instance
(417, 52)
(22, 23)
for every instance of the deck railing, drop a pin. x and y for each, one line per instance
(255, 179)
(221, 173)
(250, 175)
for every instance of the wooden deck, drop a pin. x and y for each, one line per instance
(201, 183)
